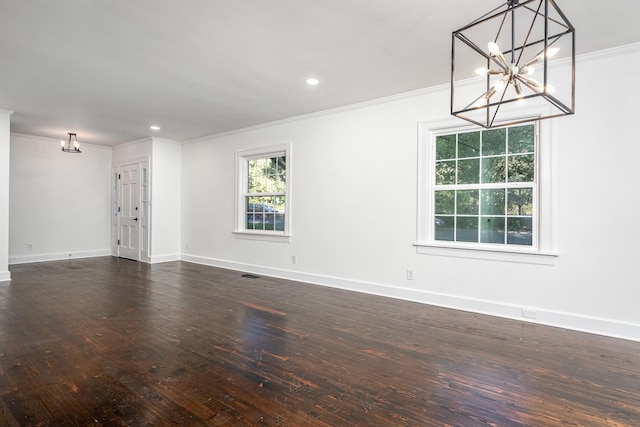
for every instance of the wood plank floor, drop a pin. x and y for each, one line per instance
(111, 342)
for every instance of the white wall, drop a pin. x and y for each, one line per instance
(165, 157)
(165, 200)
(5, 139)
(132, 152)
(58, 202)
(354, 208)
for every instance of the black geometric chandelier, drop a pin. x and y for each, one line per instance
(519, 55)
(71, 146)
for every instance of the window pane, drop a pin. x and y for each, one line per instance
(467, 229)
(521, 139)
(252, 185)
(480, 203)
(494, 142)
(267, 175)
(519, 231)
(469, 171)
(469, 145)
(446, 173)
(445, 202)
(467, 203)
(521, 168)
(253, 167)
(492, 202)
(494, 169)
(520, 201)
(492, 229)
(274, 184)
(445, 147)
(263, 213)
(444, 228)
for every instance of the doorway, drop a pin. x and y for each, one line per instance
(131, 211)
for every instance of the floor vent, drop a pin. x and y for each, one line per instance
(250, 276)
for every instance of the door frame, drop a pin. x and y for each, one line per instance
(144, 196)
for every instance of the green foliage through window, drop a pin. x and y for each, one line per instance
(265, 197)
(484, 186)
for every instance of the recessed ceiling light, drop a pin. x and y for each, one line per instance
(154, 127)
(312, 81)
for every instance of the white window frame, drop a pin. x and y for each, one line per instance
(242, 161)
(542, 250)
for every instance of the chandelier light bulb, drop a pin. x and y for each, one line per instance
(518, 89)
(552, 51)
(527, 71)
(501, 84)
(533, 84)
(480, 102)
(493, 48)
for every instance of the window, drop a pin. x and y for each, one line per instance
(263, 196)
(485, 186)
(486, 193)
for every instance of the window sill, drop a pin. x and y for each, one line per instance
(521, 256)
(263, 236)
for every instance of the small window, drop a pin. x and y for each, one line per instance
(263, 191)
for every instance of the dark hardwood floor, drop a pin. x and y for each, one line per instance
(111, 342)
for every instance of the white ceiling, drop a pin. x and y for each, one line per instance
(109, 69)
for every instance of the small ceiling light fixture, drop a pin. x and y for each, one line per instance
(154, 127)
(514, 65)
(71, 146)
(312, 81)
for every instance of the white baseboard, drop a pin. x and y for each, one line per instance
(607, 327)
(164, 258)
(25, 259)
(5, 276)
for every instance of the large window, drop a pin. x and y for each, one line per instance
(485, 186)
(263, 191)
(486, 193)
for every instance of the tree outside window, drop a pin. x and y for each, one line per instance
(484, 186)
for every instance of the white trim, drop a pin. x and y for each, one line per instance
(57, 141)
(155, 259)
(58, 256)
(573, 321)
(263, 236)
(136, 142)
(378, 101)
(507, 254)
(5, 276)
(241, 157)
(435, 88)
(543, 251)
(627, 49)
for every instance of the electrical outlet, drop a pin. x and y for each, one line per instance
(528, 314)
(294, 259)
(410, 274)
(29, 246)
(186, 247)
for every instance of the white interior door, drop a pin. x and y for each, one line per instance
(129, 212)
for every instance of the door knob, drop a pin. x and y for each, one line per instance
(135, 219)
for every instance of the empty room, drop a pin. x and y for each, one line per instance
(319, 213)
